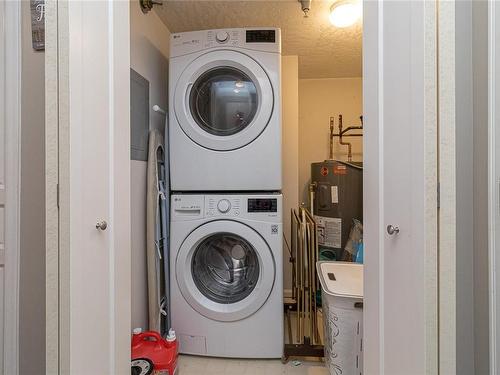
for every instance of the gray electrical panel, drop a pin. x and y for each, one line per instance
(139, 116)
(338, 200)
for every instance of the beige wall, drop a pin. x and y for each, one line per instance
(318, 100)
(290, 121)
(149, 49)
(32, 236)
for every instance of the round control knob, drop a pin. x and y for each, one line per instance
(222, 36)
(224, 206)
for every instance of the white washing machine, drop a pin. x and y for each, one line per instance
(225, 110)
(226, 274)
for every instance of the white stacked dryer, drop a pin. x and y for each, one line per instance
(226, 207)
(225, 110)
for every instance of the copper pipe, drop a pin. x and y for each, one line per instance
(342, 133)
(341, 142)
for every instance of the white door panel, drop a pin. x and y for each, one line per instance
(92, 156)
(399, 96)
(403, 266)
(90, 279)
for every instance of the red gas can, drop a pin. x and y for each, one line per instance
(161, 352)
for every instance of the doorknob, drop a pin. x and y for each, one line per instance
(392, 230)
(101, 225)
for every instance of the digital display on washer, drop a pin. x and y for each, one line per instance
(261, 36)
(262, 205)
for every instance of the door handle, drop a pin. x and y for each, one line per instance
(392, 230)
(101, 225)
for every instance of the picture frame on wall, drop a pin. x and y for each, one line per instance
(38, 24)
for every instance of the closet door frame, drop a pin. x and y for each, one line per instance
(494, 182)
(58, 329)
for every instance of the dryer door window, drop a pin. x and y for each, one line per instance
(225, 270)
(223, 100)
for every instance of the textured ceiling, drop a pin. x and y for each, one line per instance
(324, 51)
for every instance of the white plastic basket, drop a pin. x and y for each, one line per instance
(342, 301)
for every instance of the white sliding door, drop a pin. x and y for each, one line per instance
(400, 194)
(90, 159)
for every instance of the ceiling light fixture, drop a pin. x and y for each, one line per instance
(306, 7)
(344, 13)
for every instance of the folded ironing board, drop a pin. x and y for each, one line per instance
(157, 235)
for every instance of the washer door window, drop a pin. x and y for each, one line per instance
(225, 270)
(223, 100)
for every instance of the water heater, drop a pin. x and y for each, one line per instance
(338, 199)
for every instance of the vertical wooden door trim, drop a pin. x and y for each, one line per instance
(447, 181)
(51, 189)
(373, 197)
(11, 12)
(120, 182)
(63, 185)
(430, 165)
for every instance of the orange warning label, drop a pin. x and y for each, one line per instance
(324, 171)
(340, 169)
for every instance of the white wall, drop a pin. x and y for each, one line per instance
(149, 49)
(32, 236)
(318, 100)
(290, 123)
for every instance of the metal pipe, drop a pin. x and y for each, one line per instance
(312, 190)
(332, 124)
(347, 135)
(293, 246)
(306, 284)
(341, 142)
(343, 133)
(351, 128)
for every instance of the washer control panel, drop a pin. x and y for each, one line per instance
(223, 206)
(254, 207)
(259, 207)
(258, 39)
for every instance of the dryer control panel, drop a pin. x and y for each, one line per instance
(265, 39)
(265, 207)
